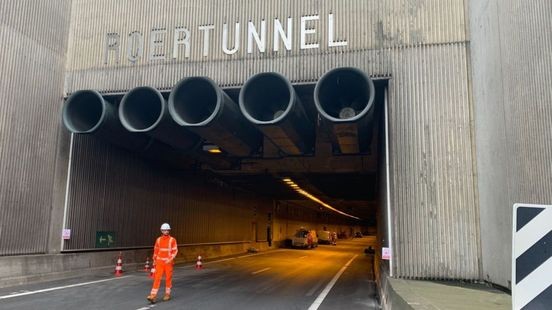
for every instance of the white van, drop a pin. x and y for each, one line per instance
(324, 236)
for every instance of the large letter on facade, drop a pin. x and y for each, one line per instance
(181, 40)
(305, 31)
(279, 32)
(331, 33)
(135, 46)
(252, 33)
(157, 43)
(225, 39)
(111, 44)
(206, 30)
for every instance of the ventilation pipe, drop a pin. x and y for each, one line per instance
(269, 101)
(344, 97)
(87, 112)
(200, 105)
(144, 110)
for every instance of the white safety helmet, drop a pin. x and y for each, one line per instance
(165, 226)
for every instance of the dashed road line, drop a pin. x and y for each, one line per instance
(262, 270)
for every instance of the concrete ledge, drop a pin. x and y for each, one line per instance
(426, 295)
(389, 298)
(26, 269)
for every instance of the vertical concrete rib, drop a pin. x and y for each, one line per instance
(33, 58)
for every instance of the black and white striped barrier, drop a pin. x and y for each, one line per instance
(532, 257)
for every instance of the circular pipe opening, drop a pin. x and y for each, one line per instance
(266, 98)
(141, 109)
(84, 111)
(344, 94)
(194, 101)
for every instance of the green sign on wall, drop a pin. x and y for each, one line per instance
(105, 239)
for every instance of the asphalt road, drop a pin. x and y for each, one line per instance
(328, 277)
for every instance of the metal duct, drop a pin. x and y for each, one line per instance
(143, 109)
(269, 101)
(344, 97)
(87, 112)
(200, 105)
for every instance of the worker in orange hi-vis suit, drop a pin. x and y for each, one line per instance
(164, 252)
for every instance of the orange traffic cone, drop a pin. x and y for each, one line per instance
(199, 265)
(119, 266)
(147, 265)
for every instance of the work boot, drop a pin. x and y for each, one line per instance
(167, 297)
(152, 298)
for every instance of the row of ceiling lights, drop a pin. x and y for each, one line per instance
(303, 192)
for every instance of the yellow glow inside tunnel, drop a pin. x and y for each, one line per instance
(301, 191)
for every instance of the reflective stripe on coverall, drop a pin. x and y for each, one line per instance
(164, 253)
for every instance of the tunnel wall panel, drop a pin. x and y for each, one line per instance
(434, 209)
(512, 74)
(115, 191)
(33, 35)
(369, 27)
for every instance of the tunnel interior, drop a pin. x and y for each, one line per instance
(141, 109)
(266, 98)
(353, 184)
(84, 112)
(342, 95)
(194, 101)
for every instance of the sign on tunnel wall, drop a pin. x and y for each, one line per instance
(162, 43)
(105, 239)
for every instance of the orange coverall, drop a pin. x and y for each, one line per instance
(164, 252)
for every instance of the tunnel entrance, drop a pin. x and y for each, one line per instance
(353, 184)
(255, 167)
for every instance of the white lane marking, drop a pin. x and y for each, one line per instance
(259, 271)
(222, 260)
(328, 287)
(146, 308)
(314, 288)
(232, 258)
(59, 288)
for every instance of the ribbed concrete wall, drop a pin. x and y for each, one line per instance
(432, 164)
(112, 190)
(421, 45)
(512, 74)
(33, 36)
(369, 27)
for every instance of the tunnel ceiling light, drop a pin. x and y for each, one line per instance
(211, 148)
(315, 199)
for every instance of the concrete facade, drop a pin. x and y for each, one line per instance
(510, 56)
(35, 36)
(468, 97)
(421, 46)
